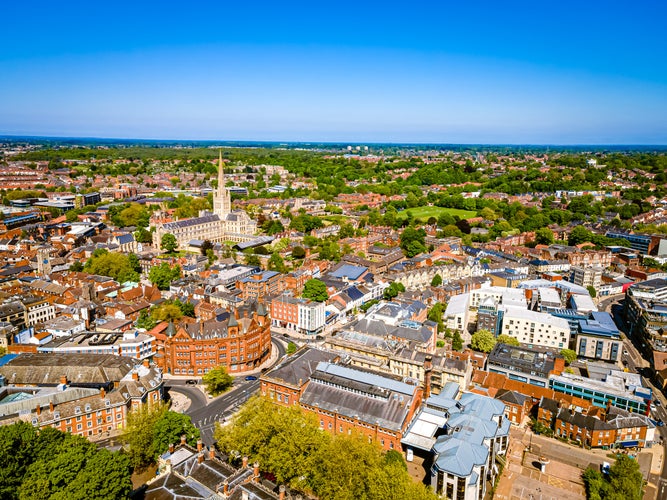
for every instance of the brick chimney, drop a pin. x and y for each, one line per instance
(282, 492)
(225, 488)
(184, 439)
(428, 368)
(171, 447)
(200, 444)
(147, 363)
(255, 472)
(38, 410)
(245, 462)
(200, 457)
(211, 453)
(63, 379)
(51, 406)
(103, 393)
(135, 375)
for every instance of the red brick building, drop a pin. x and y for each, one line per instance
(240, 342)
(343, 398)
(260, 285)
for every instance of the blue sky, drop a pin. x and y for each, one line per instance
(449, 72)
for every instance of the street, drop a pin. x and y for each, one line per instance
(204, 411)
(633, 360)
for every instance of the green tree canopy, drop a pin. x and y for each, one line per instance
(289, 444)
(507, 339)
(316, 290)
(114, 265)
(50, 464)
(412, 241)
(393, 290)
(161, 276)
(276, 263)
(544, 236)
(483, 341)
(437, 280)
(150, 430)
(569, 355)
(168, 243)
(457, 341)
(435, 315)
(217, 380)
(624, 481)
(298, 252)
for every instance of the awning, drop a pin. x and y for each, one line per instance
(630, 444)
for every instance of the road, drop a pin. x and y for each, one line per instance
(635, 362)
(205, 411)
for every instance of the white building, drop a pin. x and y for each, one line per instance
(311, 317)
(535, 328)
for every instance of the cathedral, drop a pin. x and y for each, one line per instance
(223, 224)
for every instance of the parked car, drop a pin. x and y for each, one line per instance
(409, 455)
(191, 381)
(250, 377)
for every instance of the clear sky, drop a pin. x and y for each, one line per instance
(557, 72)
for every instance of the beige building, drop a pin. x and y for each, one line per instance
(224, 224)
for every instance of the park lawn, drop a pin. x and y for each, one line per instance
(423, 213)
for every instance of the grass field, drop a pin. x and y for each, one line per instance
(423, 213)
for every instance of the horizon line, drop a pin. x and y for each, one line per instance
(332, 142)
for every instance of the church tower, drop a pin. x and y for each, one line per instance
(222, 202)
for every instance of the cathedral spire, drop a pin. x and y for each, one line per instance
(221, 172)
(222, 203)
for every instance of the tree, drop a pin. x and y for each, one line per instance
(569, 355)
(298, 252)
(252, 260)
(437, 280)
(291, 348)
(217, 380)
(483, 341)
(457, 341)
(168, 243)
(114, 265)
(579, 235)
(205, 247)
(150, 430)
(592, 291)
(624, 481)
(276, 263)
(143, 235)
(435, 315)
(507, 339)
(161, 276)
(145, 320)
(412, 241)
(166, 312)
(76, 266)
(290, 445)
(170, 427)
(48, 463)
(544, 236)
(316, 290)
(393, 290)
